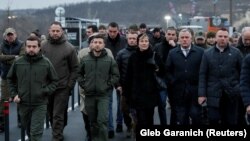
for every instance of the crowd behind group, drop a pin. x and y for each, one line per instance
(205, 77)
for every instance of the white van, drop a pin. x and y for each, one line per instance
(194, 28)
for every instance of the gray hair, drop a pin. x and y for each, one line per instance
(247, 28)
(186, 30)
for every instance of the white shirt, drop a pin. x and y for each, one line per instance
(185, 51)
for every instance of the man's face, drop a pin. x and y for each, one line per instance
(185, 39)
(157, 34)
(170, 35)
(98, 44)
(222, 38)
(102, 31)
(89, 31)
(235, 42)
(200, 41)
(113, 32)
(32, 47)
(10, 37)
(246, 38)
(55, 31)
(132, 39)
(143, 30)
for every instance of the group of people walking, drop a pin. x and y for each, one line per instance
(39, 77)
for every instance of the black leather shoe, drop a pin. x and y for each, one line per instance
(88, 138)
(111, 134)
(119, 128)
(1, 129)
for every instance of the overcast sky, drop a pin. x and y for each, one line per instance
(37, 4)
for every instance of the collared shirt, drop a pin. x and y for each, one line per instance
(185, 51)
(220, 49)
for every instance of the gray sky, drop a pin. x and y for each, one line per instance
(37, 4)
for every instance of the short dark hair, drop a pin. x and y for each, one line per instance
(34, 38)
(99, 36)
(143, 25)
(113, 24)
(210, 34)
(133, 28)
(37, 33)
(56, 23)
(102, 27)
(171, 28)
(223, 29)
(157, 29)
(93, 27)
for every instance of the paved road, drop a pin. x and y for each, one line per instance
(74, 131)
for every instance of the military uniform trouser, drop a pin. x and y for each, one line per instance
(32, 119)
(58, 102)
(97, 109)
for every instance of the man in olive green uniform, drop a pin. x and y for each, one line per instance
(32, 78)
(98, 73)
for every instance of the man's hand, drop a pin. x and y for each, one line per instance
(202, 99)
(172, 43)
(248, 109)
(119, 89)
(17, 99)
(10, 99)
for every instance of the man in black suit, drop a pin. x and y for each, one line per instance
(183, 65)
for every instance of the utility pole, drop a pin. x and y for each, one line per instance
(214, 4)
(214, 9)
(8, 15)
(231, 12)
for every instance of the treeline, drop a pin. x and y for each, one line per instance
(124, 12)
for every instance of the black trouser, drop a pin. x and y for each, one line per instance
(125, 112)
(226, 113)
(145, 116)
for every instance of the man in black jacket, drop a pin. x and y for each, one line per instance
(183, 65)
(10, 49)
(244, 47)
(245, 84)
(122, 61)
(244, 41)
(219, 80)
(115, 42)
(163, 49)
